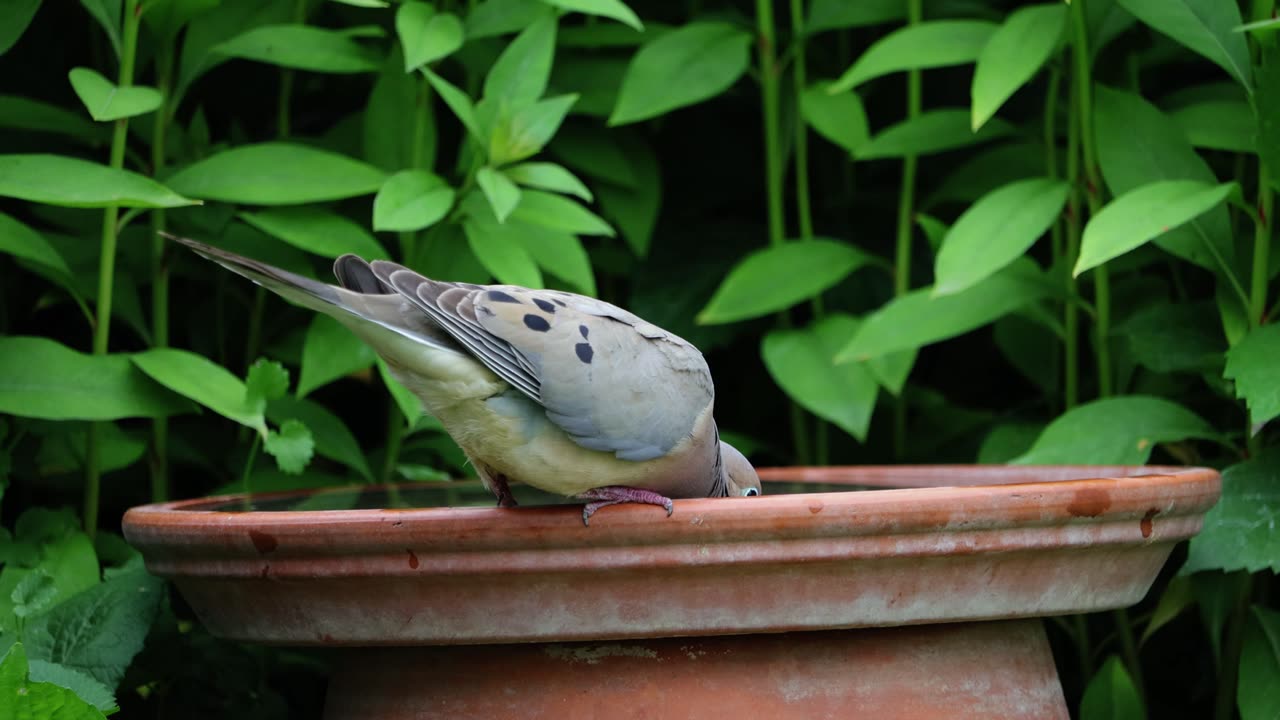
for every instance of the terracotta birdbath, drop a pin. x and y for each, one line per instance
(828, 603)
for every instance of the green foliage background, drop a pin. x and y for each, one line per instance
(901, 230)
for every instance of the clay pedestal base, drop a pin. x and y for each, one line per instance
(959, 671)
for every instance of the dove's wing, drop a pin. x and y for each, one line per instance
(611, 381)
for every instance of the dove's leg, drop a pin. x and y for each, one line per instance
(616, 494)
(497, 484)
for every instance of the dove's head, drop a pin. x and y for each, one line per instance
(739, 477)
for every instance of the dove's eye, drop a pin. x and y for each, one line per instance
(750, 492)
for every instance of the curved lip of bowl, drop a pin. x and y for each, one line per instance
(940, 499)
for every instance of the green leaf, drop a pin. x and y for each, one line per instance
(426, 35)
(82, 684)
(547, 176)
(332, 438)
(615, 9)
(71, 182)
(106, 101)
(15, 16)
(22, 113)
(1144, 213)
(98, 631)
(891, 370)
(1137, 145)
(1111, 695)
(41, 378)
(693, 63)
(502, 255)
(301, 47)
(229, 19)
(1175, 599)
(838, 117)
(1169, 337)
(1258, 687)
(1239, 532)
(329, 352)
(502, 17)
(23, 242)
(930, 132)
(109, 15)
(778, 277)
(390, 129)
(1115, 431)
(840, 14)
(558, 213)
(1007, 441)
(292, 446)
(502, 194)
(266, 380)
(409, 404)
(1205, 26)
(918, 318)
(997, 230)
(166, 18)
(316, 231)
(1014, 54)
(931, 44)
(1267, 104)
(202, 380)
(1252, 364)
(1220, 124)
(459, 103)
(559, 253)
(802, 363)
(521, 72)
(521, 132)
(277, 173)
(28, 698)
(411, 200)
(634, 208)
(34, 593)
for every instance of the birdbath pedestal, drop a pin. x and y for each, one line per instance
(918, 601)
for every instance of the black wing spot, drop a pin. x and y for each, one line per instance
(499, 296)
(585, 353)
(584, 330)
(536, 322)
(558, 302)
(546, 306)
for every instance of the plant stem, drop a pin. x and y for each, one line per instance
(248, 463)
(1051, 158)
(906, 208)
(1261, 248)
(769, 91)
(395, 440)
(107, 265)
(1070, 313)
(160, 271)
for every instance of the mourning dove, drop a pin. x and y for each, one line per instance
(563, 392)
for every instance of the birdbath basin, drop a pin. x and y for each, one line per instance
(885, 592)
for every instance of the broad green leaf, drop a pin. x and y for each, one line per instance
(329, 352)
(1267, 104)
(277, 173)
(996, 230)
(459, 103)
(778, 277)
(1239, 532)
(918, 318)
(548, 176)
(15, 16)
(22, 113)
(106, 101)
(930, 132)
(502, 194)
(685, 66)
(634, 209)
(1014, 54)
(521, 132)
(1111, 695)
(317, 231)
(29, 698)
(332, 438)
(200, 379)
(266, 380)
(1032, 349)
(1258, 687)
(1115, 431)
(229, 19)
(85, 686)
(409, 404)
(34, 593)
(521, 72)
(66, 451)
(802, 363)
(502, 17)
(1007, 441)
(931, 44)
(390, 133)
(1144, 213)
(1169, 337)
(411, 200)
(1205, 26)
(597, 152)
(1220, 124)
(595, 79)
(986, 170)
(109, 15)
(23, 242)
(837, 117)
(615, 9)
(41, 378)
(891, 370)
(426, 35)
(68, 561)
(1176, 598)
(165, 18)
(839, 14)
(502, 255)
(559, 253)
(1254, 365)
(558, 213)
(1137, 145)
(292, 446)
(71, 182)
(302, 47)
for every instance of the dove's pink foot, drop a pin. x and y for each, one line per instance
(616, 494)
